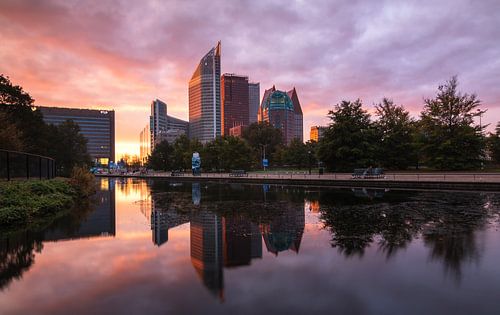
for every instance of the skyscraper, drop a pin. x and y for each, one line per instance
(282, 110)
(204, 97)
(234, 101)
(253, 101)
(157, 120)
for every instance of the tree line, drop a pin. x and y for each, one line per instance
(446, 136)
(23, 129)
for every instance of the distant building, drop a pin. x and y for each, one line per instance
(204, 97)
(237, 131)
(253, 101)
(97, 126)
(145, 144)
(317, 133)
(161, 127)
(283, 111)
(234, 101)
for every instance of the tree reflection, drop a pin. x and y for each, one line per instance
(447, 222)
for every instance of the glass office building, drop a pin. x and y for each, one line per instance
(97, 126)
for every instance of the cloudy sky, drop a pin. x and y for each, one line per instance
(122, 54)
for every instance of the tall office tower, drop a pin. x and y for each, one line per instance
(204, 97)
(234, 101)
(299, 120)
(157, 121)
(253, 101)
(97, 126)
(282, 110)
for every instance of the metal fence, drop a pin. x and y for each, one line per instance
(21, 166)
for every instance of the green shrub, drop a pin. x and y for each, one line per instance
(83, 181)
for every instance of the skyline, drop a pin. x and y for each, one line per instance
(122, 55)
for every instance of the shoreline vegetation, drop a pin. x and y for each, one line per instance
(36, 203)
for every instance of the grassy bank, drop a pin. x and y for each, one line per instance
(31, 203)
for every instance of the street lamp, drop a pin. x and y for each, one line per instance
(309, 156)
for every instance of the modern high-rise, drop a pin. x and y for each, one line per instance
(204, 97)
(253, 101)
(317, 133)
(283, 111)
(234, 101)
(97, 126)
(161, 127)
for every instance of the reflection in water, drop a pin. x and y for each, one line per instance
(231, 223)
(86, 220)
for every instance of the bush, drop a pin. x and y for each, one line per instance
(83, 181)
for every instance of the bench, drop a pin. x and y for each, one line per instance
(176, 173)
(238, 173)
(368, 173)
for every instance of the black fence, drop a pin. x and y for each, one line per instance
(20, 166)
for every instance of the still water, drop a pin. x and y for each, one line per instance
(157, 247)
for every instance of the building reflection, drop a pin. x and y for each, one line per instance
(93, 219)
(285, 231)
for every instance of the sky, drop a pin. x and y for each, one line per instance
(123, 54)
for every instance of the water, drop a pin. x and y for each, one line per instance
(154, 247)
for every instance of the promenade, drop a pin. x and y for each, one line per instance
(445, 180)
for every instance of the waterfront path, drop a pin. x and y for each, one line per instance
(445, 180)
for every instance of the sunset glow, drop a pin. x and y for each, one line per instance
(121, 55)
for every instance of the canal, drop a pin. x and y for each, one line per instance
(160, 247)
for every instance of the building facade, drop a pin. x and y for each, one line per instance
(279, 109)
(204, 97)
(145, 144)
(317, 133)
(234, 102)
(253, 102)
(97, 126)
(157, 120)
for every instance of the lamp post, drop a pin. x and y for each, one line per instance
(309, 156)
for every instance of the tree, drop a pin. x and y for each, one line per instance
(183, 149)
(17, 106)
(450, 139)
(494, 144)
(396, 147)
(295, 154)
(68, 147)
(161, 157)
(262, 136)
(350, 140)
(227, 153)
(10, 136)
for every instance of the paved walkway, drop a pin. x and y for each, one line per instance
(399, 177)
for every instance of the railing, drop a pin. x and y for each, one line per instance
(21, 166)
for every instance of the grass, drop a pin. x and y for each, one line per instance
(32, 203)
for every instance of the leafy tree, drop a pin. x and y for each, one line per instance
(18, 107)
(183, 149)
(396, 148)
(227, 153)
(451, 140)
(262, 136)
(350, 141)
(161, 157)
(68, 147)
(494, 144)
(10, 136)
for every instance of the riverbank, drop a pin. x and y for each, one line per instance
(32, 203)
(441, 181)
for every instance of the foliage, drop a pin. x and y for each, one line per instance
(24, 202)
(183, 149)
(296, 154)
(83, 181)
(396, 149)
(64, 143)
(494, 144)
(450, 140)
(351, 140)
(226, 153)
(68, 147)
(10, 136)
(262, 136)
